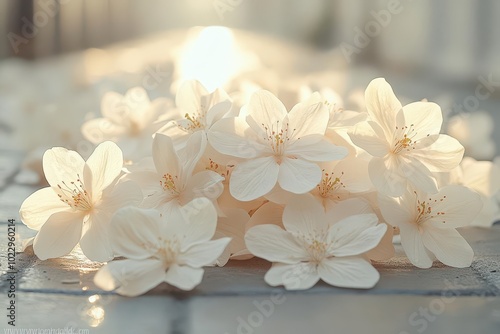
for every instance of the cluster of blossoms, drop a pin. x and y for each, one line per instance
(318, 190)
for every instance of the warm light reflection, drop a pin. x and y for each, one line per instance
(96, 315)
(94, 298)
(213, 58)
(97, 63)
(93, 312)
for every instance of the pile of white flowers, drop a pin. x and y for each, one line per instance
(318, 190)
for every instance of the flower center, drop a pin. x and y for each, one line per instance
(314, 244)
(164, 250)
(75, 195)
(317, 250)
(404, 139)
(222, 170)
(168, 251)
(193, 122)
(425, 212)
(168, 183)
(277, 137)
(330, 184)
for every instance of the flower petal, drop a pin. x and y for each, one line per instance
(385, 249)
(348, 272)
(98, 130)
(394, 211)
(39, 206)
(298, 176)
(191, 154)
(149, 181)
(412, 243)
(114, 108)
(425, 117)
(133, 230)
(482, 176)
(150, 119)
(305, 215)
(440, 153)
(315, 148)
(419, 175)
(300, 276)
(130, 277)
(355, 235)
(166, 207)
(386, 176)
(272, 243)
(265, 109)
(203, 184)
(459, 204)
(159, 200)
(122, 194)
(165, 156)
(449, 247)
(268, 213)
(220, 104)
(203, 253)
(308, 119)
(95, 242)
(62, 165)
(254, 178)
(233, 136)
(193, 223)
(223, 259)
(104, 165)
(347, 208)
(382, 105)
(189, 95)
(370, 137)
(233, 225)
(175, 130)
(183, 277)
(59, 235)
(353, 173)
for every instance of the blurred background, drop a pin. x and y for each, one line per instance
(456, 38)
(58, 57)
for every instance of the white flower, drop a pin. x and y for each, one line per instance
(197, 110)
(172, 248)
(272, 213)
(428, 222)
(173, 183)
(279, 147)
(340, 120)
(225, 200)
(315, 246)
(474, 131)
(268, 213)
(129, 120)
(404, 141)
(484, 178)
(233, 225)
(80, 202)
(340, 180)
